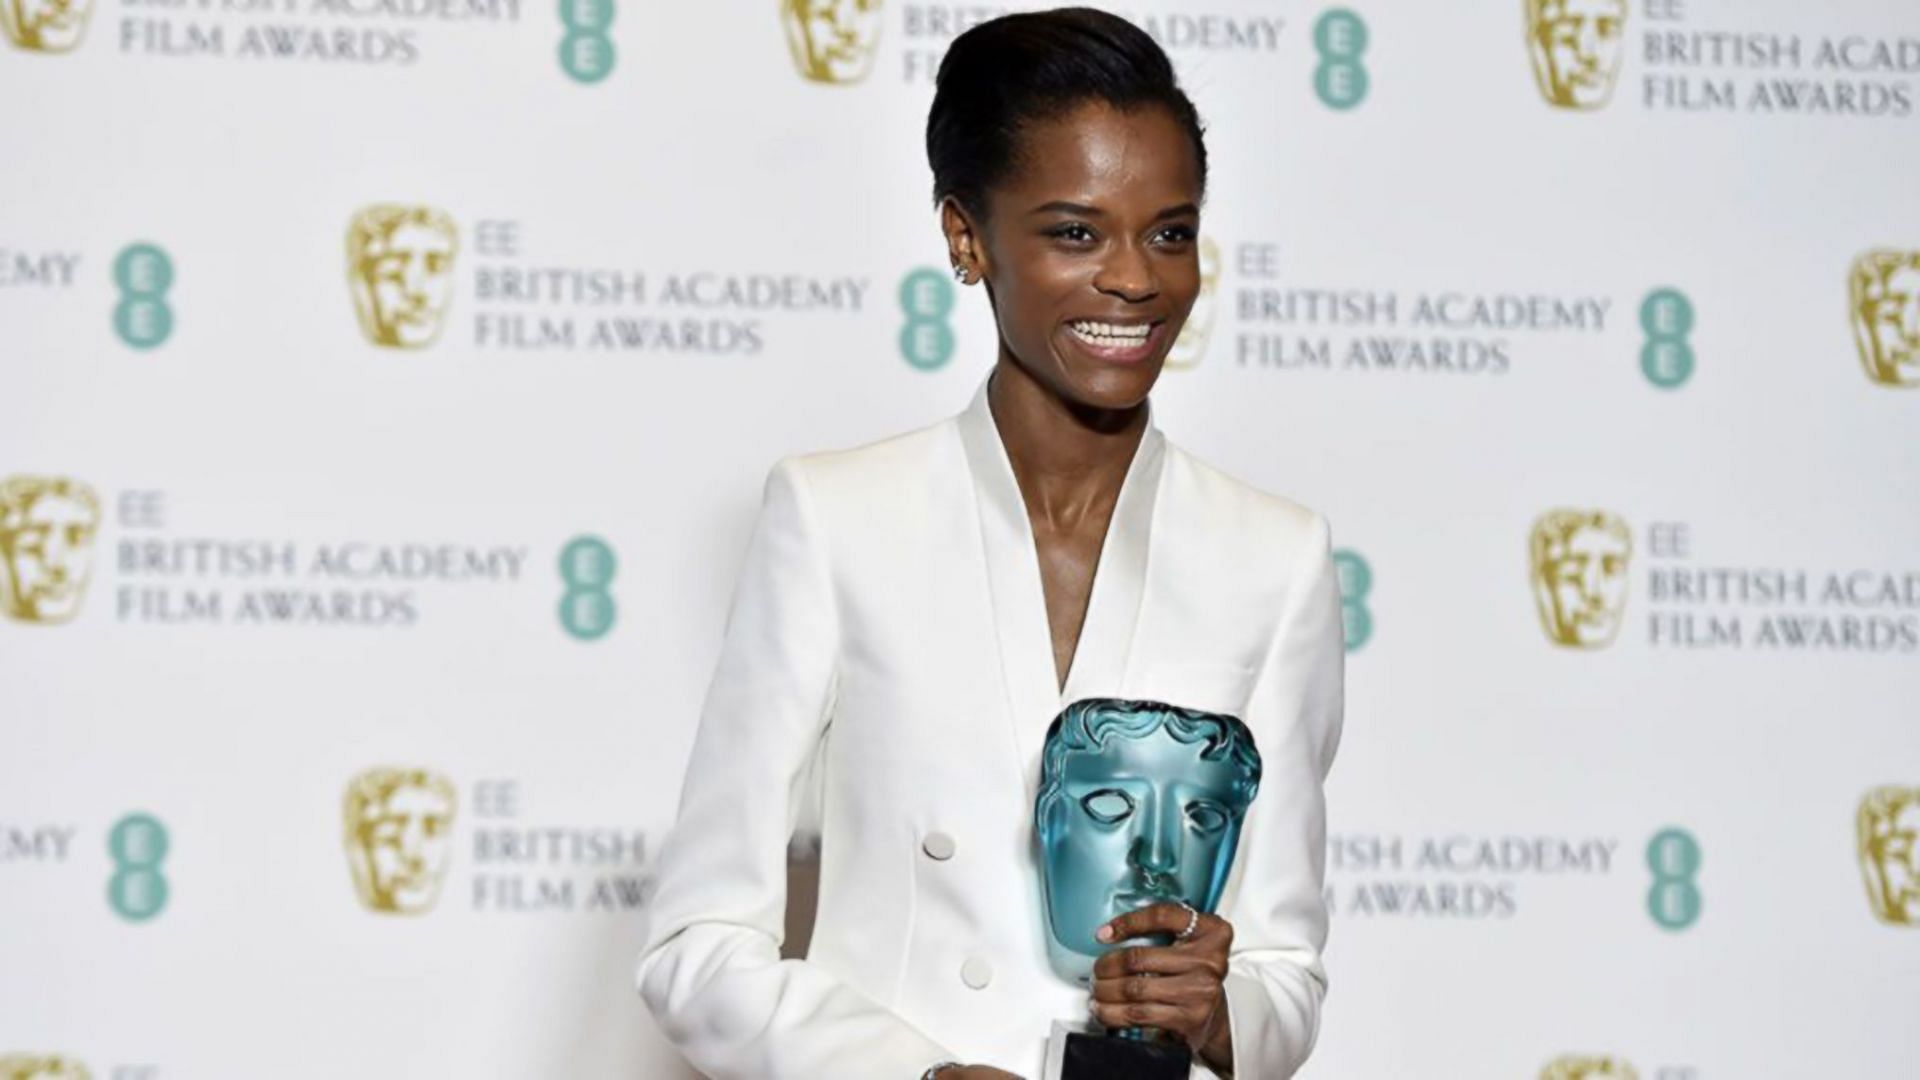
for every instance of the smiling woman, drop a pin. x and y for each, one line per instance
(915, 613)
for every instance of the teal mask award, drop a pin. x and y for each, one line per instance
(1140, 803)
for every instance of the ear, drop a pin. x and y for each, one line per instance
(965, 251)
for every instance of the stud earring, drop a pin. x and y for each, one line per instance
(960, 274)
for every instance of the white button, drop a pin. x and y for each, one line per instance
(976, 973)
(938, 845)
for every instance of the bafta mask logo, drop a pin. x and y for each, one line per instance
(400, 269)
(1576, 47)
(1191, 346)
(1890, 853)
(1579, 564)
(399, 835)
(47, 525)
(1588, 1067)
(1885, 289)
(833, 41)
(41, 1067)
(48, 26)
(1140, 803)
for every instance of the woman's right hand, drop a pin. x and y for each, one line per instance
(974, 1072)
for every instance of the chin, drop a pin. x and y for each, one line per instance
(1097, 385)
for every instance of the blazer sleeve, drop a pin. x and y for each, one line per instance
(710, 969)
(1275, 981)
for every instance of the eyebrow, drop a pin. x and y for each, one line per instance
(1063, 206)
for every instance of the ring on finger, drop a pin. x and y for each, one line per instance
(1193, 922)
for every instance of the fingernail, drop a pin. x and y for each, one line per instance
(1105, 933)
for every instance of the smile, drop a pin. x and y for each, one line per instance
(1127, 342)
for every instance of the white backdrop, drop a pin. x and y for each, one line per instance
(253, 552)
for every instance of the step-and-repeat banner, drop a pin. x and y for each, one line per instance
(389, 384)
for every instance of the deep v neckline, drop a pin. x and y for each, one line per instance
(1100, 574)
(1101, 654)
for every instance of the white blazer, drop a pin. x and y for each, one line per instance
(890, 626)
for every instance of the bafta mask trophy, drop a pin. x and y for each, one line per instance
(1140, 803)
(399, 825)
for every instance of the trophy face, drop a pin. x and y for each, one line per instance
(399, 835)
(1890, 853)
(47, 527)
(1140, 803)
(400, 271)
(1580, 560)
(1885, 290)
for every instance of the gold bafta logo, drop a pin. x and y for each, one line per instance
(399, 836)
(833, 41)
(1576, 47)
(1579, 568)
(1191, 346)
(47, 526)
(400, 269)
(48, 26)
(41, 1067)
(1889, 828)
(1588, 1067)
(1885, 290)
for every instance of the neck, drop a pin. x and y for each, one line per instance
(1068, 459)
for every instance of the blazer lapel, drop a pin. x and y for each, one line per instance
(1033, 695)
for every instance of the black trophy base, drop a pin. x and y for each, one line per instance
(1109, 1057)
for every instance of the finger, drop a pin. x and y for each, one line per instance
(1152, 919)
(1153, 959)
(1192, 989)
(1180, 1020)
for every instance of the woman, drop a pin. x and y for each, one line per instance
(914, 613)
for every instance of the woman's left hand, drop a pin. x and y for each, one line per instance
(1176, 988)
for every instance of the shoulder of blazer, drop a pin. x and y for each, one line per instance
(1231, 507)
(889, 472)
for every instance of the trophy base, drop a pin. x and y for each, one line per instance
(1075, 1055)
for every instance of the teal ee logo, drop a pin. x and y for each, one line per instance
(586, 568)
(1667, 358)
(1356, 581)
(586, 52)
(1340, 37)
(142, 273)
(926, 297)
(138, 890)
(1674, 900)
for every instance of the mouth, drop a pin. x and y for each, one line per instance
(1134, 901)
(1127, 341)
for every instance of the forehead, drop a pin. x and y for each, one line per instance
(1568, 9)
(1119, 160)
(1593, 538)
(1904, 276)
(58, 508)
(1154, 757)
(413, 235)
(414, 799)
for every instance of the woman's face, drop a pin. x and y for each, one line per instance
(1089, 251)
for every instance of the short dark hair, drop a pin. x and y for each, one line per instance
(1008, 72)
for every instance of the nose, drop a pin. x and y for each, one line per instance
(1587, 42)
(1156, 850)
(414, 275)
(1128, 274)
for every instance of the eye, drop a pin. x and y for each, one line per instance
(1177, 234)
(1207, 817)
(1072, 232)
(1108, 806)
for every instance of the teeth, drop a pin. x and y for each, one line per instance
(1111, 334)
